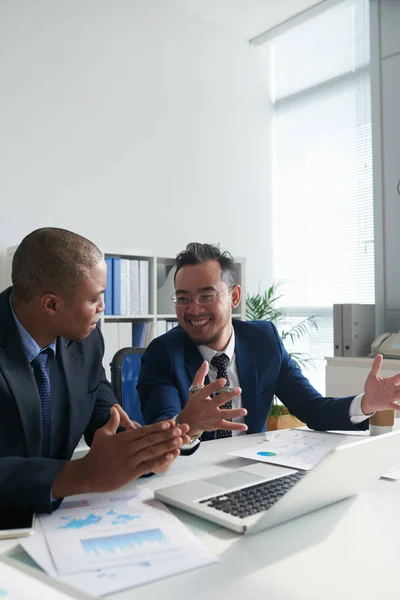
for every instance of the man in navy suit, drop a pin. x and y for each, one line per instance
(255, 363)
(52, 312)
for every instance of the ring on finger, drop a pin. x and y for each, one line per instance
(195, 388)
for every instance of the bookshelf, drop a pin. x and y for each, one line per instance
(151, 294)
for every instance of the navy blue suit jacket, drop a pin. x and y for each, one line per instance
(25, 477)
(264, 368)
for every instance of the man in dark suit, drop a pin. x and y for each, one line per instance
(53, 387)
(246, 354)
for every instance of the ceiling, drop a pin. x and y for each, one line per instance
(246, 18)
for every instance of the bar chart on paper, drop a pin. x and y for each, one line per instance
(125, 543)
(91, 538)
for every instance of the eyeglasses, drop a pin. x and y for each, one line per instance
(203, 299)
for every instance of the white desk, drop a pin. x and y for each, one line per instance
(348, 550)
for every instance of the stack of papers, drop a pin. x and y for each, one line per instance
(103, 543)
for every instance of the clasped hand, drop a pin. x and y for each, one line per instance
(115, 459)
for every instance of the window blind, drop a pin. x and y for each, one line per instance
(322, 171)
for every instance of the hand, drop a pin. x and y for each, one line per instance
(203, 413)
(116, 459)
(380, 393)
(125, 421)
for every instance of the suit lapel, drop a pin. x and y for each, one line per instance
(193, 360)
(248, 377)
(73, 364)
(19, 376)
(18, 373)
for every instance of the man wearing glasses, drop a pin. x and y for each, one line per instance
(219, 375)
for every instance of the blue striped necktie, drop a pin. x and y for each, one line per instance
(41, 374)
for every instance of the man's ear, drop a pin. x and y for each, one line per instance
(50, 303)
(236, 295)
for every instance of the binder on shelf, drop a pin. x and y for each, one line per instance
(134, 288)
(149, 333)
(338, 330)
(108, 293)
(116, 285)
(165, 289)
(144, 287)
(353, 329)
(161, 326)
(125, 286)
(139, 333)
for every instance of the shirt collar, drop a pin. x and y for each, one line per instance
(208, 353)
(31, 347)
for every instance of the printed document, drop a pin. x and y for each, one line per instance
(102, 543)
(295, 448)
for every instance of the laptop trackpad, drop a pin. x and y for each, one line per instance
(237, 479)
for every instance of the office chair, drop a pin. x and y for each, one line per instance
(125, 368)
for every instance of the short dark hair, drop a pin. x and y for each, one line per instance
(52, 260)
(197, 253)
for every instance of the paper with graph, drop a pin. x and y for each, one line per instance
(103, 543)
(296, 448)
(83, 538)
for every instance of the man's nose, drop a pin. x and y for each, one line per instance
(195, 307)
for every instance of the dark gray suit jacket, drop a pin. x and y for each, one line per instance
(26, 479)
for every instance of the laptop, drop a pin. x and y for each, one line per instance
(254, 498)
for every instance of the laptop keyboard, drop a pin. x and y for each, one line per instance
(255, 498)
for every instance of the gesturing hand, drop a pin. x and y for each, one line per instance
(380, 393)
(203, 413)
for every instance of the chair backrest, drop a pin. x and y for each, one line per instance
(125, 368)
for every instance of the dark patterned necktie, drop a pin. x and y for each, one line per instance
(39, 365)
(221, 362)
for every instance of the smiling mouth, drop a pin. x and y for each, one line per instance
(199, 322)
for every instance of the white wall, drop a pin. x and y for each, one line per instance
(135, 126)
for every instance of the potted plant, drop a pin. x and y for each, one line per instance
(262, 306)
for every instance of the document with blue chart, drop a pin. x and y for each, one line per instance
(103, 543)
(84, 538)
(295, 448)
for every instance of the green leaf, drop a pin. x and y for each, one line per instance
(262, 307)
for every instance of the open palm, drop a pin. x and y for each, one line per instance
(380, 393)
